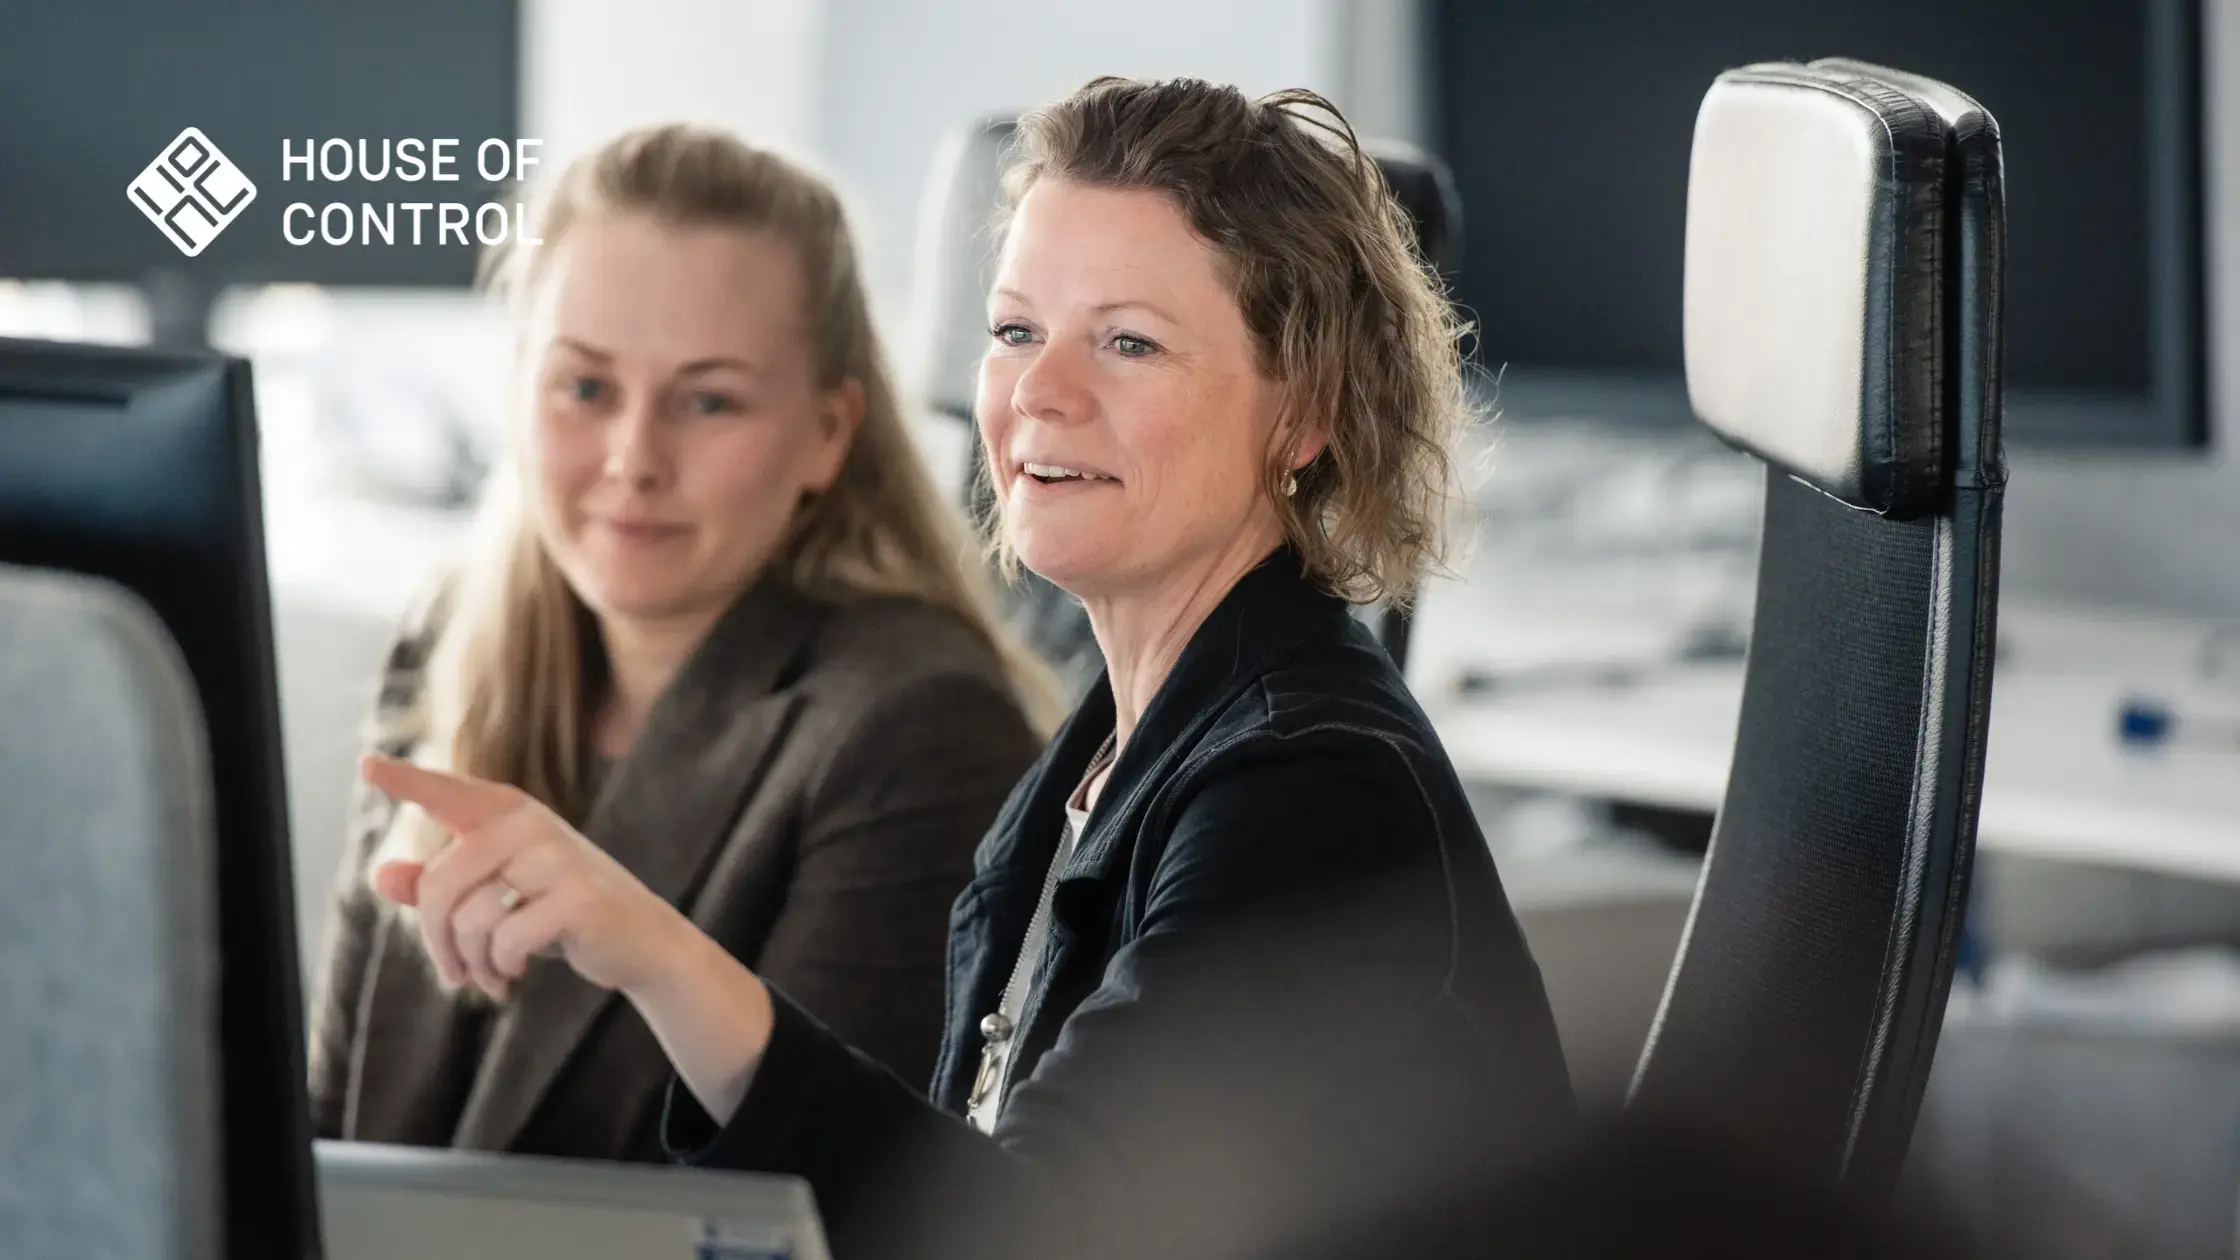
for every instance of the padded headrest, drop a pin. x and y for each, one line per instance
(1424, 187)
(1975, 175)
(955, 264)
(956, 247)
(1816, 287)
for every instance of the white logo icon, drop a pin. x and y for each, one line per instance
(192, 192)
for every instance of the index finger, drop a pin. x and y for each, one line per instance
(458, 804)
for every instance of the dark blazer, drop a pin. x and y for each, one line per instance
(809, 790)
(1284, 996)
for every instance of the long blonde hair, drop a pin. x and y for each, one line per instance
(517, 664)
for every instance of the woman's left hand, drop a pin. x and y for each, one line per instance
(515, 881)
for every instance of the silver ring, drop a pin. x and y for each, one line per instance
(509, 897)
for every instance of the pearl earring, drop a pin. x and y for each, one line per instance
(1290, 484)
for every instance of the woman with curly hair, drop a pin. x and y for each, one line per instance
(1235, 974)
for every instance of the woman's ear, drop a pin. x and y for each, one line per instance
(1307, 444)
(837, 420)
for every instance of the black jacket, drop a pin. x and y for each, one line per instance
(1285, 998)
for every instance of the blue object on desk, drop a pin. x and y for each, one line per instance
(2143, 722)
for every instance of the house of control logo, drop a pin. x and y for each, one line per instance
(192, 191)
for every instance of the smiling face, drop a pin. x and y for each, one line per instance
(1121, 404)
(677, 418)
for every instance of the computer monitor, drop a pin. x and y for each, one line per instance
(94, 92)
(1568, 128)
(141, 467)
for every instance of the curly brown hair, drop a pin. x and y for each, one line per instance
(1346, 315)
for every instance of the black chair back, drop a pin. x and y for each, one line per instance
(1424, 187)
(1842, 321)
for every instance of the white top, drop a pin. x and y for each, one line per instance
(998, 1051)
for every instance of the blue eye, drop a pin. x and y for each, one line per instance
(1012, 334)
(1133, 346)
(707, 404)
(585, 388)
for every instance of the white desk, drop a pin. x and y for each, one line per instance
(2057, 784)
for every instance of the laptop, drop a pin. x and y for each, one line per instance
(407, 1203)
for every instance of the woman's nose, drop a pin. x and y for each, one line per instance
(635, 453)
(1053, 385)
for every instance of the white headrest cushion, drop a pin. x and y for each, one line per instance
(1814, 294)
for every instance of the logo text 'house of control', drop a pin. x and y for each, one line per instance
(192, 191)
(408, 161)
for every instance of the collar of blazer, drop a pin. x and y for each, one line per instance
(664, 812)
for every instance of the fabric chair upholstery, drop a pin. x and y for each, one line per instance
(109, 1137)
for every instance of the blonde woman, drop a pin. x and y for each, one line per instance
(720, 622)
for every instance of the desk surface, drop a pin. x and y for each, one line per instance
(2057, 783)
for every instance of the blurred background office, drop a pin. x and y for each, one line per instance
(1584, 665)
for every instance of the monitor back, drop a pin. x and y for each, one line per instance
(141, 467)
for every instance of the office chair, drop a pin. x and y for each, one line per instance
(955, 265)
(109, 1129)
(1842, 322)
(1424, 187)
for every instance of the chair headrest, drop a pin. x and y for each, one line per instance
(1424, 186)
(1816, 290)
(956, 247)
(955, 263)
